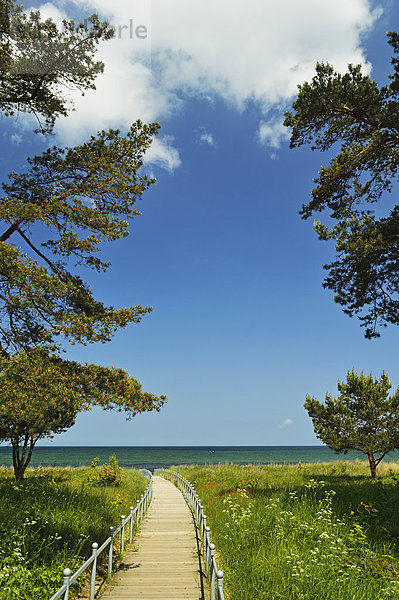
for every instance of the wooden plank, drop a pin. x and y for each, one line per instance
(163, 563)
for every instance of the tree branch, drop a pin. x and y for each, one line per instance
(11, 230)
(27, 240)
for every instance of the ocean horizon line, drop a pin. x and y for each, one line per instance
(152, 457)
(181, 446)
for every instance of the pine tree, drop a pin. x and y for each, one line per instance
(55, 217)
(351, 111)
(361, 418)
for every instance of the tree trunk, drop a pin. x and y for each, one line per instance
(20, 462)
(373, 464)
(19, 471)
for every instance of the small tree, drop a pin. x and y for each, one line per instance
(362, 418)
(40, 395)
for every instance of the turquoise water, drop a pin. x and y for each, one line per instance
(152, 457)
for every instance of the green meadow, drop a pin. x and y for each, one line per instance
(50, 519)
(304, 532)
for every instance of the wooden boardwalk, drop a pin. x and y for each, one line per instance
(163, 562)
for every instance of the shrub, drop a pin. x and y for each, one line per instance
(110, 475)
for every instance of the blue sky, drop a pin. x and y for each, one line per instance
(242, 328)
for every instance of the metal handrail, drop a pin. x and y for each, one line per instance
(136, 514)
(214, 575)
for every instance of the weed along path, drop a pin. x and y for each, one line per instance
(163, 562)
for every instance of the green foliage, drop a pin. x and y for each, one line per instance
(41, 395)
(362, 418)
(69, 200)
(351, 110)
(56, 215)
(81, 196)
(109, 475)
(37, 59)
(37, 400)
(302, 533)
(49, 521)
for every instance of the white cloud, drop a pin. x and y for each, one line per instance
(49, 10)
(207, 138)
(162, 154)
(16, 138)
(241, 53)
(285, 423)
(257, 52)
(272, 132)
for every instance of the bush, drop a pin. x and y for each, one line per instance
(110, 475)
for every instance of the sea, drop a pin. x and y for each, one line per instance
(154, 457)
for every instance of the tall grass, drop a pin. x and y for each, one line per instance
(306, 532)
(49, 521)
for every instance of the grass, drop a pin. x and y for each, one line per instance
(49, 521)
(305, 532)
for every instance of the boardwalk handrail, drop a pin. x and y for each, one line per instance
(136, 514)
(215, 577)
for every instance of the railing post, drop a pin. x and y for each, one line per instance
(67, 575)
(122, 533)
(110, 551)
(212, 549)
(219, 576)
(141, 507)
(196, 504)
(131, 525)
(94, 547)
(207, 534)
(200, 519)
(203, 532)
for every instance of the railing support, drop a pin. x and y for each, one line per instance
(67, 576)
(94, 548)
(110, 551)
(203, 533)
(137, 512)
(219, 576)
(212, 549)
(207, 552)
(131, 525)
(122, 533)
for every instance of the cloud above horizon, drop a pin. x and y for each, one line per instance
(285, 423)
(168, 51)
(207, 138)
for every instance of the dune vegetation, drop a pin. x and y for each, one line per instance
(49, 520)
(305, 532)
